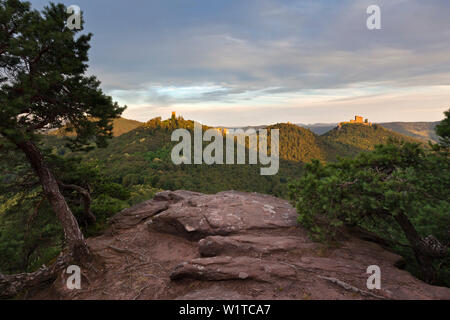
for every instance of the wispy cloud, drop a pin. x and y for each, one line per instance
(291, 58)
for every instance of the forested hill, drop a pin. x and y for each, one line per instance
(300, 144)
(351, 139)
(120, 126)
(303, 145)
(142, 156)
(424, 131)
(419, 130)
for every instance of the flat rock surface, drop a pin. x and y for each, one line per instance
(232, 245)
(223, 214)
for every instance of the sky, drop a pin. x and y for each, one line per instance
(253, 62)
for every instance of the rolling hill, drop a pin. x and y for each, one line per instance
(419, 130)
(353, 138)
(142, 156)
(120, 126)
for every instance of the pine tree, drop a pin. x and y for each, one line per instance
(43, 85)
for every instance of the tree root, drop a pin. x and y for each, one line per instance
(349, 287)
(13, 285)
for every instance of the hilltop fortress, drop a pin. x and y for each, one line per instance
(358, 120)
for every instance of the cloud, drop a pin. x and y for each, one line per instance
(168, 54)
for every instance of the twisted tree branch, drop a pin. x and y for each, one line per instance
(86, 199)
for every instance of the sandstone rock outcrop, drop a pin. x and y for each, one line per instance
(132, 216)
(233, 245)
(223, 214)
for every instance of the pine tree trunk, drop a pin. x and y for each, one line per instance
(73, 236)
(423, 256)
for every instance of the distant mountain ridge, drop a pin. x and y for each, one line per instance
(420, 130)
(318, 128)
(143, 156)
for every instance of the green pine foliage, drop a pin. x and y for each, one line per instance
(377, 191)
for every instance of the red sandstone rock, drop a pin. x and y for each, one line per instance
(255, 250)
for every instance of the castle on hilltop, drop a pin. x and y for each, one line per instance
(358, 120)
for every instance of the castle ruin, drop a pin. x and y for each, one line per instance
(358, 120)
